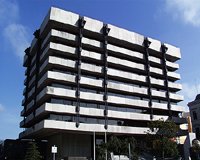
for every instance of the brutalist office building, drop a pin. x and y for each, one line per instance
(86, 80)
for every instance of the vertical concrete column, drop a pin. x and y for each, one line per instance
(78, 67)
(37, 62)
(147, 66)
(27, 52)
(105, 82)
(106, 152)
(94, 146)
(164, 50)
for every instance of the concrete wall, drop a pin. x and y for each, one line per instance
(70, 145)
(54, 76)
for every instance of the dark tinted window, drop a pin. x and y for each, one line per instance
(194, 115)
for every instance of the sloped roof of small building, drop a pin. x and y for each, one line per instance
(197, 97)
(196, 101)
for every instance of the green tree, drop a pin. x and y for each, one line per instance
(101, 151)
(196, 146)
(195, 149)
(134, 148)
(32, 152)
(114, 145)
(161, 134)
(119, 146)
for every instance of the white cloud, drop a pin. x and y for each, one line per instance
(9, 12)
(10, 120)
(16, 35)
(189, 92)
(187, 10)
(1, 108)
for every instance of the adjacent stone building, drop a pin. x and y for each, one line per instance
(86, 80)
(194, 108)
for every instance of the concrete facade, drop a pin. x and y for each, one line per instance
(84, 76)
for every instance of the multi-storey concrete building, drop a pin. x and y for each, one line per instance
(85, 77)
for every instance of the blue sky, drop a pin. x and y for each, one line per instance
(176, 22)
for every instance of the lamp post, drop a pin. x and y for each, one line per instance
(129, 151)
(94, 145)
(106, 142)
(163, 152)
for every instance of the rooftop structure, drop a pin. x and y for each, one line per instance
(84, 77)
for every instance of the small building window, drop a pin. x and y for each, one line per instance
(194, 115)
(197, 130)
